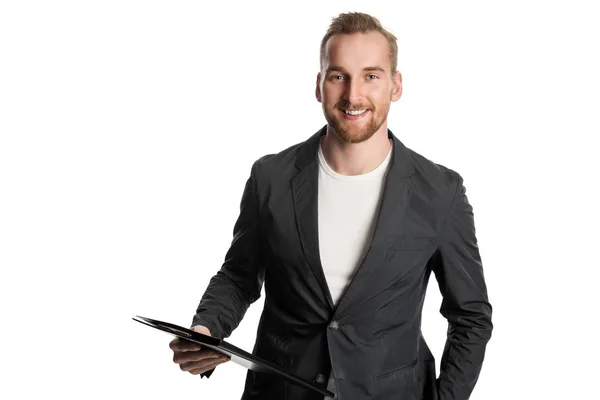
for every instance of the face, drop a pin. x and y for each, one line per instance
(355, 85)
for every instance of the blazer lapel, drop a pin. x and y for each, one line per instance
(393, 206)
(305, 194)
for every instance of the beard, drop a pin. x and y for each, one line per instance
(355, 131)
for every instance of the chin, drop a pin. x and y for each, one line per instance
(351, 132)
(354, 136)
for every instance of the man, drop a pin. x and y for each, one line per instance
(344, 230)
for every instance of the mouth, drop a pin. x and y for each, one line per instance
(353, 115)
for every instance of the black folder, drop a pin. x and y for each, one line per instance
(236, 354)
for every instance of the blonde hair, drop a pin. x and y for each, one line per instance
(355, 22)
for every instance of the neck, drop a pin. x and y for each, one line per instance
(355, 158)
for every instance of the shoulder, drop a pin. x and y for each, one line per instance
(276, 164)
(439, 177)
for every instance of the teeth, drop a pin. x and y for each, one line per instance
(354, 112)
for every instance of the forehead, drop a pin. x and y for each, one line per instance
(357, 50)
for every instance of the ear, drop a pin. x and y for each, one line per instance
(318, 88)
(397, 86)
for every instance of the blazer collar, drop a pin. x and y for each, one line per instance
(401, 164)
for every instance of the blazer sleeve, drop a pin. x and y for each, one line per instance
(459, 273)
(239, 282)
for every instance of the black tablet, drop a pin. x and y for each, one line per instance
(236, 354)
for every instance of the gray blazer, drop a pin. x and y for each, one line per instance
(372, 337)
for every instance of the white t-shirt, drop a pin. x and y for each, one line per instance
(348, 208)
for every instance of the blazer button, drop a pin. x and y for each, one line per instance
(320, 378)
(334, 325)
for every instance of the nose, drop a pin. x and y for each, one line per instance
(353, 92)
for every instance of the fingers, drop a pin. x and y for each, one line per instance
(200, 367)
(184, 345)
(194, 356)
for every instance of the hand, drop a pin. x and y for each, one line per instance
(194, 358)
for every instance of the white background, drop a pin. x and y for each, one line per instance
(128, 129)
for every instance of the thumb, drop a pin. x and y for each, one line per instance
(201, 329)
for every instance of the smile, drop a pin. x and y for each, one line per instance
(355, 115)
(357, 112)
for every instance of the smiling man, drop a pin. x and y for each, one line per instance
(357, 82)
(344, 230)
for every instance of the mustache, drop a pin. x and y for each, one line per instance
(347, 106)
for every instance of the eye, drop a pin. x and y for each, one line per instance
(336, 77)
(371, 76)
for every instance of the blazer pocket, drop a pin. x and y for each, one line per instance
(396, 372)
(405, 244)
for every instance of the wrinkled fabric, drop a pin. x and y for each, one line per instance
(371, 338)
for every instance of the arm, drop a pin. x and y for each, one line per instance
(239, 282)
(465, 304)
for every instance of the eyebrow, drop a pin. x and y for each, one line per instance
(341, 69)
